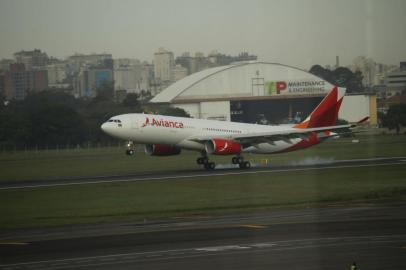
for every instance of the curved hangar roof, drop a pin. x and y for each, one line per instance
(244, 80)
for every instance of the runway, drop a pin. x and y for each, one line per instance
(332, 237)
(221, 170)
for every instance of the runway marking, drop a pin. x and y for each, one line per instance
(253, 226)
(263, 245)
(107, 259)
(14, 243)
(92, 258)
(222, 248)
(200, 175)
(371, 159)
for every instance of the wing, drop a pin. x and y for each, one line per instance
(271, 137)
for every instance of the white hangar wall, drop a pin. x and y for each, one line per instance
(215, 110)
(356, 107)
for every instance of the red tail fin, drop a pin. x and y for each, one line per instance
(326, 113)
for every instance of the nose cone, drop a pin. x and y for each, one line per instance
(107, 128)
(104, 127)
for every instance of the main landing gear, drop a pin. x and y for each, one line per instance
(204, 160)
(241, 163)
(130, 149)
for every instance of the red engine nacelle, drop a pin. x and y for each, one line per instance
(161, 150)
(222, 147)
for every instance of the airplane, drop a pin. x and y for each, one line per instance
(167, 135)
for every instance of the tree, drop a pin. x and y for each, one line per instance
(145, 95)
(2, 102)
(131, 100)
(14, 127)
(43, 119)
(165, 109)
(105, 91)
(53, 125)
(51, 97)
(395, 117)
(321, 72)
(356, 82)
(342, 77)
(171, 111)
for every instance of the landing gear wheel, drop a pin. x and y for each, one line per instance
(202, 160)
(245, 165)
(209, 166)
(130, 152)
(237, 160)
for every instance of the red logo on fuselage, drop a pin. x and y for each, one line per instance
(162, 123)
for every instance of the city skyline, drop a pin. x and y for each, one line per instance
(289, 32)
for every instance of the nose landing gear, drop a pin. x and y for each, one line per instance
(130, 149)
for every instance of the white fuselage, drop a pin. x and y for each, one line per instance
(177, 131)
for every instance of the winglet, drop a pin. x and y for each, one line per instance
(326, 113)
(363, 120)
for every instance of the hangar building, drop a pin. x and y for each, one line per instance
(258, 92)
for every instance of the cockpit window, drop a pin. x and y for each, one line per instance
(114, 120)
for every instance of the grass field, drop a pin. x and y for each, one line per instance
(135, 201)
(214, 195)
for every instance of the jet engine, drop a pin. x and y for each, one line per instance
(222, 147)
(161, 150)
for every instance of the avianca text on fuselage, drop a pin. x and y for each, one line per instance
(162, 123)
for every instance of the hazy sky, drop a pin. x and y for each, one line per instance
(295, 32)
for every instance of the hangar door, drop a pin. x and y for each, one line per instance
(277, 111)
